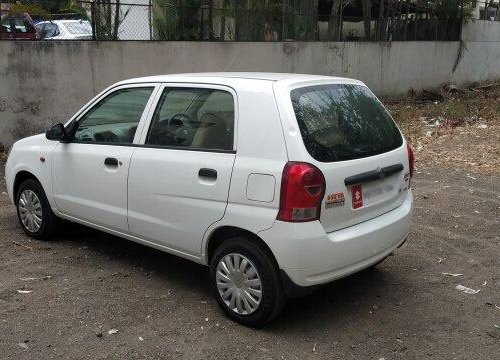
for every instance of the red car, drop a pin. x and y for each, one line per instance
(19, 27)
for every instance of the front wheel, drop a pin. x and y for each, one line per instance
(33, 210)
(246, 282)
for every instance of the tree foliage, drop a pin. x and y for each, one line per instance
(47, 9)
(108, 17)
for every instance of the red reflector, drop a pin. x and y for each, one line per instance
(411, 159)
(357, 196)
(302, 191)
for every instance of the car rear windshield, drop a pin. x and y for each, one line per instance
(343, 122)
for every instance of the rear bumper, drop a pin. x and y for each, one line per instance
(309, 256)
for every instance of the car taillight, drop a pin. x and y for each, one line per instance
(302, 190)
(411, 159)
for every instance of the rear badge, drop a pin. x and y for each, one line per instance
(357, 197)
(335, 200)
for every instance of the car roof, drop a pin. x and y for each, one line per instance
(62, 21)
(232, 77)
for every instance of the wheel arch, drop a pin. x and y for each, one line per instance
(224, 233)
(22, 176)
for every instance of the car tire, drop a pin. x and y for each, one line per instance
(34, 212)
(245, 284)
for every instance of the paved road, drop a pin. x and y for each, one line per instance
(88, 283)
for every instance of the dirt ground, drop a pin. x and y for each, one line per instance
(86, 283)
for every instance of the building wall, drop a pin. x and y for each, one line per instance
(480, 7)
(45, 82)
(481, 30)
(135, 24)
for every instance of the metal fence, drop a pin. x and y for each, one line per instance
(284, 20)
(163, 20)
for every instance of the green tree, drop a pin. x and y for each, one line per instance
(108, 17)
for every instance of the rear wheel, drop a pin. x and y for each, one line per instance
(34, 212)
(246, 282)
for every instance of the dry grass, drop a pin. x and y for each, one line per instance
(3, 155)
(468, 134)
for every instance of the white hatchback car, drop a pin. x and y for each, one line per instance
(65, 30)
(278, 182)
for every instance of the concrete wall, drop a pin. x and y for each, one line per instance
(46, 82)
(481, 30)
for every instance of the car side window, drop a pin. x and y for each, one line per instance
(115, 118)
(50, 30)
(16, 25)
(40, 28)
(194, 118)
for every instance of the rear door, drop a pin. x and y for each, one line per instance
(346, 132)
(179, 179)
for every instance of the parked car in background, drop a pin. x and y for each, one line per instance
(277, 182)
(65, 30)
(19, 27)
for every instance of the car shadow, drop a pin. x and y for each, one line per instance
(133, 256)
(336, 302)
(345, 300)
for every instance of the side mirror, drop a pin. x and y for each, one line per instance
(58, 133)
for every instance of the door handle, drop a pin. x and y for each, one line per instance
(109, 161)
(207, 173)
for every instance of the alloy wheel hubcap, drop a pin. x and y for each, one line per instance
(239, 284)
(30, 211)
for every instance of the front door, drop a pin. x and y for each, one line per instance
(179, 180)
(90, 172)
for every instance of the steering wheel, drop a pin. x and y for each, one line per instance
(84, 135)
(180, 127)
